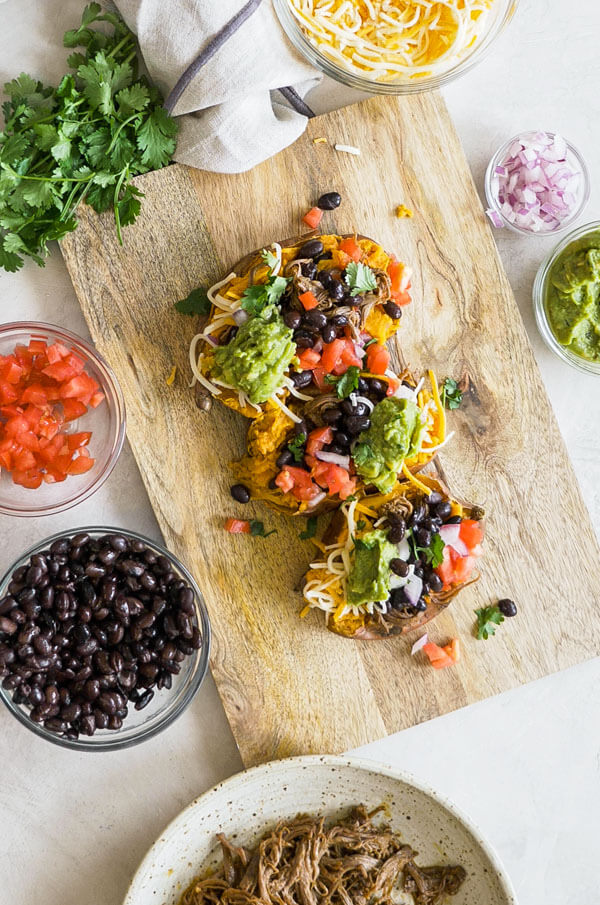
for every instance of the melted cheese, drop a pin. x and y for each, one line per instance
(386, 39)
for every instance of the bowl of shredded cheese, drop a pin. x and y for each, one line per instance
(393, 46)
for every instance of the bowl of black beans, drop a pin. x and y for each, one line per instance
(104, 639)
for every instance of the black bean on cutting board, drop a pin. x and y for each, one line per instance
(329, 201)
(507, 607)
(99, 625)
(240, 493)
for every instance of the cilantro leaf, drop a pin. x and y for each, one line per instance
(156, 139)
(360, 278)
(451, 395)
(197, 302)
(361, 524)
(296, 447)
(10, 261)
(310, 530)
(257, 529)
(269, 258)
(133, 99)
(488, 618)
(434, 553)
(346, 383)
(257, 297)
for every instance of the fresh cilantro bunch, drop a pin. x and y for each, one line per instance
(83, 140)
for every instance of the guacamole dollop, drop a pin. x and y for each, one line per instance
(258, 356)
(394, 435)
(370, 574)
(573, 297)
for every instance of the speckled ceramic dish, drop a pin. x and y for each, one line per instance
(244, 806)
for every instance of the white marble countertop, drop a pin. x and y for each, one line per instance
(525, 765)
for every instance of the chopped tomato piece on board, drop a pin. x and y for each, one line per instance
(237, 526)
(313, 217)
(442, 657)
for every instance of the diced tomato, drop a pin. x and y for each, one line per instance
(237, 526)
(351, 248)
(31, 479)
(16, 425)
(455, 569)
(313, 217)
(335, 478)
(8, 411)
(24, 357)
(80, 465)
(309, 300)
(471, 533)
(11, 371)
(319, 375)
(72, 409)
(35, 393)
(52, 476)
(79, 387)
(392, 386)
(37, 346)
(317, 439)
(463, 566)
(28, 440)
(96, 399)
(378, 358)
(350, 357)
(400, 282)
(74, 441)
(298, 482)
(8, 393)
(332, 354)
(308, 359)
(56, 351)
(24, 460)
(442, 657)
(60, 370)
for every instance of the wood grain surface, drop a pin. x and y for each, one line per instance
(289, 686)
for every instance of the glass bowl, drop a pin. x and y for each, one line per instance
(539, 300)
(500, 15)
(577, 164)
(106, 422)
(167, 703)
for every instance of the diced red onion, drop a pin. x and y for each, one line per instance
(419, 644)
(413, 589)
(536, 186)
(450, 536)
(240, 316)
(316, 500)
(210, 340)
(334, 458)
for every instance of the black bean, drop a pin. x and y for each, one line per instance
(356, 423)
(33, 575)
(144, 700)
(399, 567)
(309, 269)
(332, 414)
(148, 581)
(392, 310)
(423, 537)
(240, 493)
(315, 318)
(7, 604)
(420, 606)
(107, 556)
(304, 339)
(435, 582)
(329, 333)
(301, 378)
(8, 626)
(60, 546)
(342, 439)
(329, 201)
(311, 249)
(336, 290)
(79, 540)
(443, 509)
(292, 319)
(186, 600)
(377, 386)
(395, 534)
(507, 607)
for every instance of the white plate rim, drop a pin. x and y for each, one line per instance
(334, 760)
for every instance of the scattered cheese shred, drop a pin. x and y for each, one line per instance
(319, 141)
(403, 211)
(386, 40)
(349, 149)
(171, 378)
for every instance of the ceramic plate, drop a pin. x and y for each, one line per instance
(244, 806)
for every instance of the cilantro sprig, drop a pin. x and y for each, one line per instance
(451, 395)
(346, 383)
(434, 553)
(257, 297)
(488, 617)
(83, 140)
(360, 278)
(257, 529)
(296, 447)
(197, 302)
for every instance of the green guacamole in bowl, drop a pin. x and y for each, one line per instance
(567, 299)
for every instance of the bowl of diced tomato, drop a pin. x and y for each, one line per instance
(62, 419)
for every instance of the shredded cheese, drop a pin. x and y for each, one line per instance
(171, 378)
(349, 149)
(387, 40)
(403, 211)
(410, 477)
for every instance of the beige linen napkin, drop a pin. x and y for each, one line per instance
(231, 115)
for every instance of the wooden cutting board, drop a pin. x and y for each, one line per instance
(289, 686)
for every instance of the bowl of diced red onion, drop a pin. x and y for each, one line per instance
(536, 184)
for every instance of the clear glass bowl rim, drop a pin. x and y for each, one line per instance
(329, 67)
(118, 437)
(493, 201)
(539, 307)
(112, 742)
